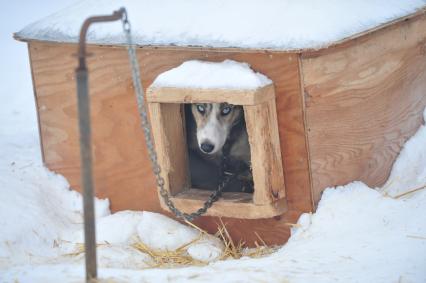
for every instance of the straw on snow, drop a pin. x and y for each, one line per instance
(181, 257)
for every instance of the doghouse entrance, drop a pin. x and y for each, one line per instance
(167, 114)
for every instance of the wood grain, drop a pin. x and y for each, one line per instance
(262, 129)
(237, 205)
(121, 166)
(200, 95)
(170, 143)
(363, 101)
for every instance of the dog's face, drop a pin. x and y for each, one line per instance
(214, 122)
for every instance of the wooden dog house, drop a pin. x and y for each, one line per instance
(166, 107)
(343, 112)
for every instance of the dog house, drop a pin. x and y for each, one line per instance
(337, 110)
(166, 106)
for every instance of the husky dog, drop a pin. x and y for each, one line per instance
(215, 129)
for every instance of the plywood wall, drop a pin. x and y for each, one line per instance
(364, 99)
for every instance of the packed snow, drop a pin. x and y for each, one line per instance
(275, 24)
(357, 234)
(228, 74)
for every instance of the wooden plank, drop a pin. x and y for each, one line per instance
(122, 168)
(262, 129)
(194, 95)
(238, 205)
(170, 144)
(40, 136)
(363, 101)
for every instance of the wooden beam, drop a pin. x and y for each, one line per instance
(170, 143)
(199, 95)
(237, 205)
(262, 129)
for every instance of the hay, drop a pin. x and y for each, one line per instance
(180, 257)
(79, 249)
(410, 192)
(233, 251)
(169, 259)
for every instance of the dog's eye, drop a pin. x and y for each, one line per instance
(226, 110)
(201, 108)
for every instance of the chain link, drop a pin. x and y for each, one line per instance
(148, 139)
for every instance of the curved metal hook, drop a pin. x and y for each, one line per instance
(116, 15)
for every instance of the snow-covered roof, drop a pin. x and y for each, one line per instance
(228, 74)
(273, 24)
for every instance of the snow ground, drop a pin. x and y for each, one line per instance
(279, 24)
(358, 234)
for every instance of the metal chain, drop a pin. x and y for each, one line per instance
(148, 139)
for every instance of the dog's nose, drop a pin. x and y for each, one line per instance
(207, 147)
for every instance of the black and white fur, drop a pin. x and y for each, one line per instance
(210, 128)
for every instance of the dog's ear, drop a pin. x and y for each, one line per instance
(189, 117)
(239, 119)
(188, 111)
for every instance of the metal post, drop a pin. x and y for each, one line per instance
(86, 173)
(85, 145)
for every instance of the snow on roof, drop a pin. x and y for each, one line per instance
(228, 74)
(273, 24)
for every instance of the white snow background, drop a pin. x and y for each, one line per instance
(358, 234)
